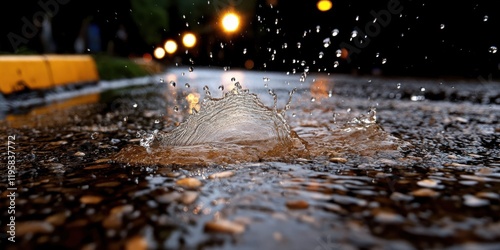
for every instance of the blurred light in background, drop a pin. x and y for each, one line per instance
(170, 46)
(230, 22)
(189, 40)
(324, 5)
(147, 57)
(159, 53)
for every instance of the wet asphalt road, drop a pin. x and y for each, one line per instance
(426, 175)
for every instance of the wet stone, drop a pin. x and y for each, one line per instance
(188, 197)
(190, 183)
(224, 226)
(33, 227)
(79, 154)
(58, 219)
(473, 201)
(425, 192)
(429, 183)
(338, 160)
(136, 243)
(90, 199)
(224, 174)
(388, 217)
(99, 166)
(297, 204)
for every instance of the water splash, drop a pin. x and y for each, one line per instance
(239, 117)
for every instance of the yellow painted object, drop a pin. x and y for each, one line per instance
(39, 72)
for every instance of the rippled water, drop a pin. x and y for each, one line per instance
(369, 166)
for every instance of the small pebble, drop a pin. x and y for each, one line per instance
(425, 192)
(25, 227)
(79, 153)
(338, 160)
(388, 217)
(90, 199)
(488, 195)
(99, 166)
(136, 243)
(428, 183)
(189, 197)
(473, 201)
(168, 197)
(189, 183)
(224, 226)
(297, 204)
(224, 174)
(57, 219)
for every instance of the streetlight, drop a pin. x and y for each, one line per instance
(170, 46)
(159, 53)
(230, 22)
(189, 40)
(324, 5)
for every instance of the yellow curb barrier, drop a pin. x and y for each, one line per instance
(41, 72)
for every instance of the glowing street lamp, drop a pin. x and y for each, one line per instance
(159, 53)
(189, 40)
(324, 5)
(230, 22)
(170, 46)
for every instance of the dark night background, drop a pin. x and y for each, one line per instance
(413, 43)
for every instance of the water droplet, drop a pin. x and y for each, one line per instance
(330, 93)
(266, 79)
(244, 51)
(293, 115)
(94, 135)
(191, 69)
(157, 121)
(493, 49)
(384, 60)
(172, 83)
(326, 42)
(422, 89)
(338, 53)
(348, 110)
(221, 88)
(335, 64)
(187, 85)
(134, 105)
(221, 45)
(485, 18)
(318, 28)
(233, 79)
(176, 108)
(161, 80)
(398, 86)
(284, 46)
(298, 45)
(354, 33)
(226, 68)
(335, 32)
(238, 85)
(442, 26)
(313, 99)
(321, 54)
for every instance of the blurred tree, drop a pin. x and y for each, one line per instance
(151, 17)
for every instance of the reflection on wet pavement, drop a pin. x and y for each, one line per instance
(381, 169)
